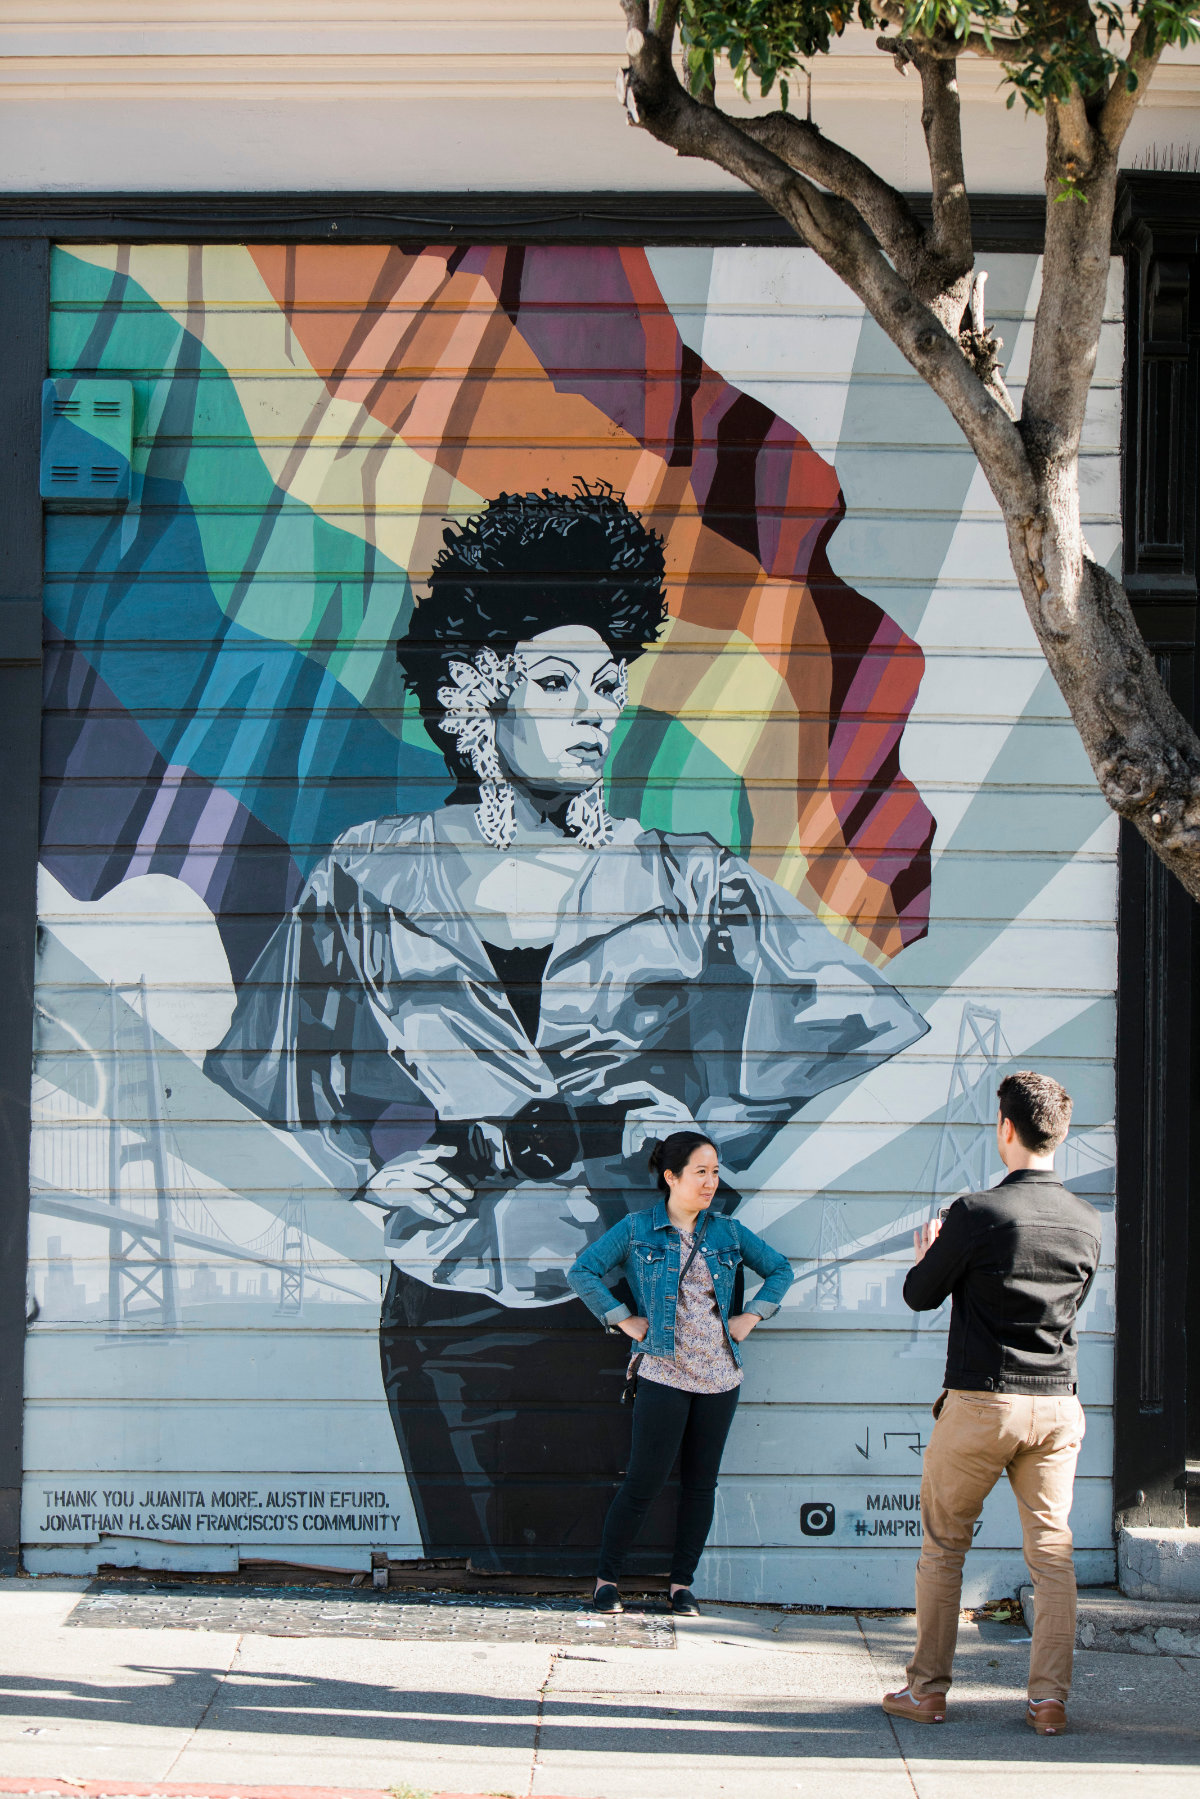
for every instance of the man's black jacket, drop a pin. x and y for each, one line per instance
(1019, 1261)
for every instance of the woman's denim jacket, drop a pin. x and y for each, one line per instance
(645, 1247)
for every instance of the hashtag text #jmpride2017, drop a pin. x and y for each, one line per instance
(888, 1527)
(895, 1527)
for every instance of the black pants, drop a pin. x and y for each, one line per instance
(511, 1429)
(669, 1423)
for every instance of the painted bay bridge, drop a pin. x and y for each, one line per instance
(962, 1162)
(79, 1173)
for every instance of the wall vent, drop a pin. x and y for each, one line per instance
(87, 444)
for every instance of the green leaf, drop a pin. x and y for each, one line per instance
(1060, 49)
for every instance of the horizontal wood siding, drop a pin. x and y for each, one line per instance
(846, 718)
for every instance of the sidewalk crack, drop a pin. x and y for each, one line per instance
(891, 1721)
(221, 1676)
(541, 1714)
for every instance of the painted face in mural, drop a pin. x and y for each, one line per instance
(553, 736)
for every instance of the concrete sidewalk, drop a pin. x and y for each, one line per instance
(760, 1702)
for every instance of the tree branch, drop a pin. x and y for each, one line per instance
(941, 121)
(949, 49)
(1075, 268)
(1120, 105)
(1070, 140)
(834, 229)
(1077, 19)
(998, 49)
(803, 146)
(980, 345)
(666, 19)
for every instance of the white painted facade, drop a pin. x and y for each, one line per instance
(176, 97)
(415, 96)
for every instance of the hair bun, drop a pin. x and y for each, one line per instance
(654, 1160)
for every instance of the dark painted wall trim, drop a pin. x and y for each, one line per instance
(24, 307)
(1157, 1377)
(1002, 221)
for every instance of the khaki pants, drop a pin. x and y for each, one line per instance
(977, 1438)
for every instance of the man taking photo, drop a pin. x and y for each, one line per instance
(1019, 1261)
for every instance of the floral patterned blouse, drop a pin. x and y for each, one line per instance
(703, 1360)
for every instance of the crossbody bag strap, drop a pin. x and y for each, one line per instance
(696, 1241)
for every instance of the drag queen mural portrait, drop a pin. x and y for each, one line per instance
(489, 1009)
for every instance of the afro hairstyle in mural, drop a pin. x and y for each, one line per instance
(526, 563)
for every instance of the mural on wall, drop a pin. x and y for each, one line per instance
(461, 763)
(489, 1009)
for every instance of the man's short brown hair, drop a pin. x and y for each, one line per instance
(1038, 1109)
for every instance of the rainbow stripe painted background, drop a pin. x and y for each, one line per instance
(307, 420)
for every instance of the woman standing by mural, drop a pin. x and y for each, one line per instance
(682, 1267)
(488, 1009)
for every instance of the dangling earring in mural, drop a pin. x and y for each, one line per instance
(480, 687)
(470, 706)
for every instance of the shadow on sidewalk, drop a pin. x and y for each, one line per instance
(658, 1726)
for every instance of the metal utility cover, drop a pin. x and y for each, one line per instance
(87, 444)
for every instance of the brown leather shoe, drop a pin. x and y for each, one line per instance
(930, 1710)
(1047, 1716)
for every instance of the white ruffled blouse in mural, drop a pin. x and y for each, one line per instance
(374, 1024)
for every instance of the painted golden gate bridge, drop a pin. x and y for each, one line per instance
(80, 1172)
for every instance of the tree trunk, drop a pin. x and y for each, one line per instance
(1144, 753)
(915, 283)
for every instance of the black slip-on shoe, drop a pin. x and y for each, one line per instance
(683, 1603)
(607, 1599)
